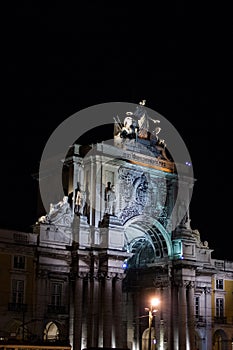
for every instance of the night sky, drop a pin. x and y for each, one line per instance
(60, 58)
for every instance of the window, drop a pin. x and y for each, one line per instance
(19, 262)
(17, 291)
(197, 307)
(56, 294)
(219, 307)
(219, 284)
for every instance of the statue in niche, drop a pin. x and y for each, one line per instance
(110, 199)
(59, 213)
(108, 188)
(80, 199)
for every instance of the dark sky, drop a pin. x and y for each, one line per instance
(60, 58)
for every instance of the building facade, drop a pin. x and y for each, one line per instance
(121, 235)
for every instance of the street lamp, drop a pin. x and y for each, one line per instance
(151, 310)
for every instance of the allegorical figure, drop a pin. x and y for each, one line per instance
(110, 199)
(59, 213)
(129, 129)
(79, 200)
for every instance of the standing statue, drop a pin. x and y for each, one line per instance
(80, 200)
(110, 198)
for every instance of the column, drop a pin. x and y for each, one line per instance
(125, 305)
(174, 319)
(208, 342)
(182, 309)
(41, 299)
(78, 300)
(118, 311)
(44, 298)
(107, 312)
(89, 311)
(136, 319)
(71, 315)
(190, 316)
(167, 310)
(95, 312)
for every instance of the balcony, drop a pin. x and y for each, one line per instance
(57, 309)
(201, 321)
(220, 320)
(17, 307)
(19, 265)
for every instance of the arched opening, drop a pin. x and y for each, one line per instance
(146, 338)
(51, 332)
(220, 340)
(147, 240)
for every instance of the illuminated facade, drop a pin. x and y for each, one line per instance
(87, 273)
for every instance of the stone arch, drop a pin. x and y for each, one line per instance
(145, 339)
(147, 239)
(220, 341)
(51, 331)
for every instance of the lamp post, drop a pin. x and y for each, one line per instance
(154, 302)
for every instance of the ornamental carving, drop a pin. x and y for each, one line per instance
(134, 193)
(140, 193)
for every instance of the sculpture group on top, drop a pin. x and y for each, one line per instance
(139, 128)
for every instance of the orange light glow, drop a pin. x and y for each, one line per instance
(155, 302)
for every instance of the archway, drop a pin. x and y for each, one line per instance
(220, 340)
(148, 240)
(145, 339)
(51, 332)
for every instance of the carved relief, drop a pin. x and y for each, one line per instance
(139, 193)
(134, 185)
